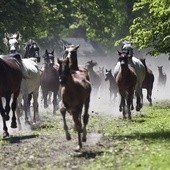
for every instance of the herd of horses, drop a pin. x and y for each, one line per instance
(70, 84)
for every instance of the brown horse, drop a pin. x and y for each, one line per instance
(161, 77)
(70, 52)
(75, 93)
(50, 79)
(148, 81)
(113, 88)
(126, 80)
(10, 81)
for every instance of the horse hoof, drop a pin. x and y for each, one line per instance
(78, 148)
(138, 108)
(13, 125)
(5, 134)
(45, 106)
(7, 117)
(68, 137)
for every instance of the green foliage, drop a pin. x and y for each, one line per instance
(151, 28)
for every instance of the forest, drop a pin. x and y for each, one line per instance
(145, 23)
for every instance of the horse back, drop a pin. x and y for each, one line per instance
(11, 76)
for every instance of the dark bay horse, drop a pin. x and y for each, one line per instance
(75, 93)
(12, 42)
(161, 77)
(50, 80)
(95, 79)
(126, 80)
(140, 72)
(32, 50)
(113, 88)
(10, 82)
(148, 81)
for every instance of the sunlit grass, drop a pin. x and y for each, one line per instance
(142, 144)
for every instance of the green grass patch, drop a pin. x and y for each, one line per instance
(143, 143)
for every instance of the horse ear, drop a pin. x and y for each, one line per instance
(110, 70)
(58, 61)
(77, 46)
(52, 52)
(119, 53)
(6, 36)
(17, 37)
(106, 70)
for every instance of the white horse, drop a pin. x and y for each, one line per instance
(30, 84)
(140, 72)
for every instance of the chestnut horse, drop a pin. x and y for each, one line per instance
(148, 81)
(113, 88)
(50, 80)
(70, 52)
(75, 93)
(10, 81)
(126, 80)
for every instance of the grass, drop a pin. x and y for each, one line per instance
(141, 144)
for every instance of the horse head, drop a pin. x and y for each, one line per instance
(32, 50)
(12, 42)
(48, 58)
(108, 74)
(63, 70)
(127, 47)
(90, 64)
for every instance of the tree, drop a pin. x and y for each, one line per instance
(151, 28)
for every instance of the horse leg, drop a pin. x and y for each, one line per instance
(7, 107)
(63, 112)
(25, 98)
(35, 105)
(29, 103)
(5, 129)
(14, 105)
(85, 119)
(54, 102)
(45, 94)
(149, 93)
(78, 126)
(129, 103)
(49, 97)
(18, 111)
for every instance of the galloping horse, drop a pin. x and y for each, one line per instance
(75, 93)
(12, 42)
(148, 81)
(29, 85)
(32, 50)
(10, 81)
(70, 52)
(113, 88)
(161, 77)
(50, 79)
(94, 76)
(126, 79)
(140, 72)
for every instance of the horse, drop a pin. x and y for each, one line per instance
(126, 80)
(75, 93)
(32, 50)
(50, 79)
(95, 79)
(10, 82)
(70, 51)
(12, 42)
(30, 85)
(140, 72)
(148, 81)
(103, 82)
(162, 78)
(113, 88)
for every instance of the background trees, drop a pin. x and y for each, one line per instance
(145, 23)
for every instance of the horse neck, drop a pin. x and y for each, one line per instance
(74, 62)
(111, 79)
(125, 70)
(161, 73)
